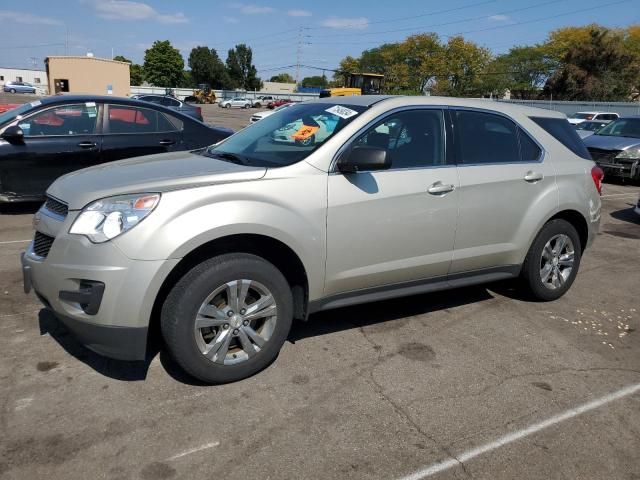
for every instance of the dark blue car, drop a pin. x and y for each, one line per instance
(44, 139)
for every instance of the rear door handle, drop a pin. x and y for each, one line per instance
(167, 142)
(439, 188)
(87, 144)
(533, 177)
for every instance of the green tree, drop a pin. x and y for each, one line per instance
(163, 64)
(241, 72)
(206, 67)
(465, 63)
(347, 65)
(523, 71)
(136, 72)
(599, 69)
(282, 78)
(314, 81)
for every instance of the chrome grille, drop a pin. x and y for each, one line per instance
(42, 244)
(56, 206)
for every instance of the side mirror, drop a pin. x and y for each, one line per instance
(364, 159)
(13, 134)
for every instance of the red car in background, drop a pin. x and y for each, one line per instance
(8, 106)
(278, 103)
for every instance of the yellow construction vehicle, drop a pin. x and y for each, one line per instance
(357, 84)
(203, 94)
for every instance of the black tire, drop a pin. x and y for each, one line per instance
(13, 90)
(228, 105)
(247, 105)
(185, 298)
(531, 269)
(257, 105)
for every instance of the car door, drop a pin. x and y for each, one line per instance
(396, 225)
(503, 176)
(132, 131)
(57, 140)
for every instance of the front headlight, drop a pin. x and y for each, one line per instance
(105, 219)
(632, 153)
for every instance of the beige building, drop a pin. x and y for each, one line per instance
(274, 87)
(87, 75)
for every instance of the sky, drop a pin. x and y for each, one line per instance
(283, 32)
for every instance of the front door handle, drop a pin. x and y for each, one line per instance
(533, 177)
(87, 144)
(439, 188)
(167, 142)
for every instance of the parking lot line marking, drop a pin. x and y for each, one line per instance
(520, 434)
(620, 195)
(14, 241)
(194, 450)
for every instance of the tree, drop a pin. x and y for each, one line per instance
(314, 81)
(465, 63)
(241, 72)
(136, 72)
(599, 69)
(523, 71)
(282, 78)
(163, 64)
(206, 67)
(347, 65)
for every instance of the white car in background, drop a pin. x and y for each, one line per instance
(260, 115)
(580, 117)
(238, 102)
(262, 100)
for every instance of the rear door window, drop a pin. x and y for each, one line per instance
(485, 138)
(125, 119)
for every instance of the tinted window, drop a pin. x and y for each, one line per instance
(562, 131)
(132, 120)
(152, 99)
(412, 139)
(529, 150)
(485, 138)
(65, 120)
(170, 102)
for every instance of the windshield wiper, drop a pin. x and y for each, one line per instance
(232, 157)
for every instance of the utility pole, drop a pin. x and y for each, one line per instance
(299, 50)
(66, 41)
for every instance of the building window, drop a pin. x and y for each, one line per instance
(18, 79)
(36, 80)
(1, 77)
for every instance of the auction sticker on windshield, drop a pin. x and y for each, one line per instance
(304, 132)
(342, 112)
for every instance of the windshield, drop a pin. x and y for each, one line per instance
(286, 137)
(623, 127)
(590, 126)
(10, 115)
(582, 116)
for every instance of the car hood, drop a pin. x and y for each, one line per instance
(611, 143)
(153, 173)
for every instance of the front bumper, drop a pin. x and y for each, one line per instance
(630, 169)
(102, 296)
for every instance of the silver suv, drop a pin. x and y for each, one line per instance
(323, 204)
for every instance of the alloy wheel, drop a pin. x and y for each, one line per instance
(557, 261)
(235, 322)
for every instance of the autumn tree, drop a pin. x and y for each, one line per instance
(282, 78)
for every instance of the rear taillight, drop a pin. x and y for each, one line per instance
(597, 174)
(199, 110)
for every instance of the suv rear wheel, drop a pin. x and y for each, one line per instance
(553, 260)
(228, 317)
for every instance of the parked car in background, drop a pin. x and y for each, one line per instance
(237, 102)
(260, 115)
(580, 117)
(616, 148)
(278, 103)
(19, 87)
(589, 127)
(8, 106)
(637, 207)
(262, 100)
(229, 244)
(41, 140)
(173, 103)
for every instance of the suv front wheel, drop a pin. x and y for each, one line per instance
(553, 260)
(228, 317)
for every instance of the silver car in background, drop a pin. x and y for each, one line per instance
(224, 247)
(589, 127)
(616, 148)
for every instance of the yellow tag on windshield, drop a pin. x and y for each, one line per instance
(304, 132)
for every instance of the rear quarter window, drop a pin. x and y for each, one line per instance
(565, 133)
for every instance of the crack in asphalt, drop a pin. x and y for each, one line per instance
(400, 411)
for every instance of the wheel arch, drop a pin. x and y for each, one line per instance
(577, 220)
(274, 251)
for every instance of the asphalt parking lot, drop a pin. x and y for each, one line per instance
(472, 383)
